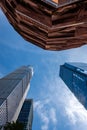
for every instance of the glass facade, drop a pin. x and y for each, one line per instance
(76, 79)
(26, 114)
(13, 91)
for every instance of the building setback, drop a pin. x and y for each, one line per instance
(75, 77)
(13, 90)
(26, 114)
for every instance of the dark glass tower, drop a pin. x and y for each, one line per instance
(26, 114)
(75, 77)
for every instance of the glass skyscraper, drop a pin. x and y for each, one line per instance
(26, 114)
(75, 77)
(13, 90)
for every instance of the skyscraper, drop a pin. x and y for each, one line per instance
(26, 114)
(13, 90)
(75, 77)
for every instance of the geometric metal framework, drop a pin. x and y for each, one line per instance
(49, 24)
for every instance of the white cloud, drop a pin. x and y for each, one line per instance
(75, 111)
(46, 114)
(53, 115)
(60, 95)
(78, 54)
(65, 103)
(64, 106)
(42, 112)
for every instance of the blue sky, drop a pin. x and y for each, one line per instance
(55, 107)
